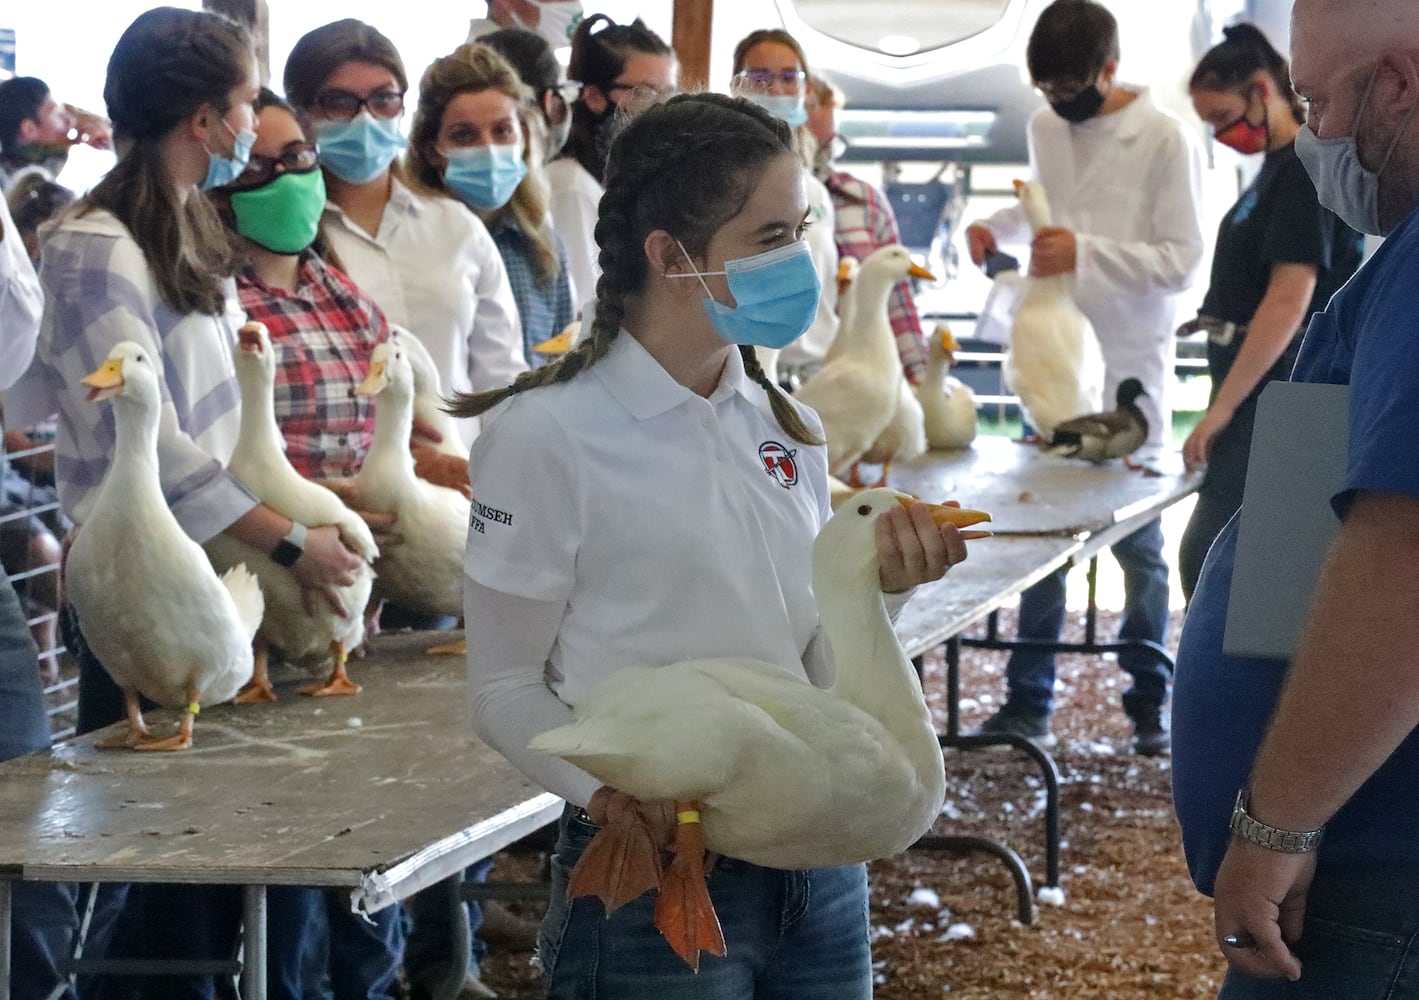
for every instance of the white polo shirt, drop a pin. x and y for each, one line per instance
(434, 269)
(672, 526)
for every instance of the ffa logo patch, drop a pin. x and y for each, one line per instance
(779, 463)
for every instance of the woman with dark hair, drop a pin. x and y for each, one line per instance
(1279, 258)
(617, 483)
(427, 261)
(532, 57)
(323, 329)
(143, 257)
(476, 137)
(771, 70)
(612, 62)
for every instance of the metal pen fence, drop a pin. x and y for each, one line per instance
(31, 528)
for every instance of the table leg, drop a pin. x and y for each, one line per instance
(253, 966)
(6, 916)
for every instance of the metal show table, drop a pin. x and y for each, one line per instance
(383, 794)
(1047, 512)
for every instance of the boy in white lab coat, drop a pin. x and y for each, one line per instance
(1123, 181)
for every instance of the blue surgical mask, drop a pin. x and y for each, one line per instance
(485, 176)
(789, 107)
(222, 170)
(359, 150)
(776, 294)
(1343, 184)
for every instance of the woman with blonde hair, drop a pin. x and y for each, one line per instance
(477, 137)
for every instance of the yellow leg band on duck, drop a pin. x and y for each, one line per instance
(688, 816)
(194, 708)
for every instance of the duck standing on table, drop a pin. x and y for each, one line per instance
(653, 498)
(154, 612)
(1098, 437)
(315, 632)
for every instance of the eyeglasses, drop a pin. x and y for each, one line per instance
(642, 95)
(759, 80)
(565, 95)
(297, 157)
(341, 105)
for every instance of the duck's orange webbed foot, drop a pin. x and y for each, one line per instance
(259, 688)
(180, 740)
(339, 682)
(684, 912)
(621, 864)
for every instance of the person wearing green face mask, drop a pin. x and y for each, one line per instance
(324, 330)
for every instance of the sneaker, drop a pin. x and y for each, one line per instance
(1019, 722)
(1150, 733)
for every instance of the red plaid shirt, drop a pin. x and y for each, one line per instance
(864, 223)
(323, 333)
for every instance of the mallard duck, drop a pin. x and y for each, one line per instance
(1054, 363)
(1099, 437)
(947, 403)
(151, 607)
(424, 573)
(260, 463)
(857, 392)
(772, 769)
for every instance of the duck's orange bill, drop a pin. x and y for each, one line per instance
(374, 380)
(106, 381)
(917, 271)
(249, 336)
(961, 517)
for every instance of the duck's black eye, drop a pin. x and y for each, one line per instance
(865, 509)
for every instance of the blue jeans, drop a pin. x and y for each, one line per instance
(431, 934)
(1360, 940)
(789, 936)
(1029, 674)
(44, 921)
(312, 935)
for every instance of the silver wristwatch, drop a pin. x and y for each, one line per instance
(1270, 837)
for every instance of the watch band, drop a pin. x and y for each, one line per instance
(290, 548)
(1270, 837)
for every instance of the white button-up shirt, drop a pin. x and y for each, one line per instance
(433, 268)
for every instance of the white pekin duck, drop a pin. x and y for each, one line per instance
(260, 464)
(778, 772)
(858, 392)
(424, 573)
(428, 392)
(947, 403)
(1054, 364)
(151, 607)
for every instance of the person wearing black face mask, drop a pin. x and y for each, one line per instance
(1123, 182)
(614, 63)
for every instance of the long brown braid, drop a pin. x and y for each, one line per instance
(685, 166)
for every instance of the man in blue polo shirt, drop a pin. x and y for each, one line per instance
(1338, 749)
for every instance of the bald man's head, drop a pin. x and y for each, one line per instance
(1357, 63)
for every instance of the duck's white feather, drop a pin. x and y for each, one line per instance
(790, 775)
(260, 464)
(1054, 363)
(424, 573)
(151, 607)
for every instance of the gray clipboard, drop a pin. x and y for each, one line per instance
(1298, 458)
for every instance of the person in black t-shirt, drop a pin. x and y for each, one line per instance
(1279, 258)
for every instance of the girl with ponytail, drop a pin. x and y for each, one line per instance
(1279, 258)
(652, 496)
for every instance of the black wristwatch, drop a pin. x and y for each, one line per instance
(289, 549)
